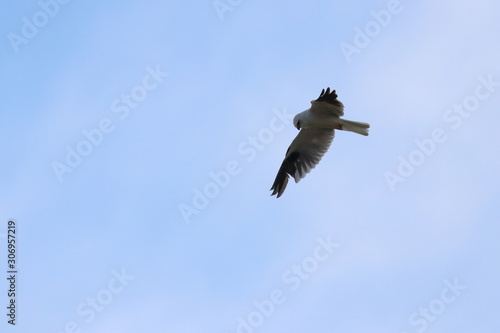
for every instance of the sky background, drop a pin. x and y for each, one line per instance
(137, 236)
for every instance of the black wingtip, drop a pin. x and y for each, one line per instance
(328, 96)
(279, 185)
(322, 93)
(288, 168)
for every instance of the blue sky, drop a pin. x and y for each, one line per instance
(140, 140)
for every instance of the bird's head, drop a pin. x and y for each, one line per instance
(296, 121)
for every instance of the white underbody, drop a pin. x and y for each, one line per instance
(310, 119)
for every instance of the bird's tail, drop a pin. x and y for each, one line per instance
(355, 126)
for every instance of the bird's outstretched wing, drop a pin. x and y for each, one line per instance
(302, 156)
(327, 102)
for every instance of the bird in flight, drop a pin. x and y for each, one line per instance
(317, 127)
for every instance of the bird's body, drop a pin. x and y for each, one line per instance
(310, 119)
(317, 127)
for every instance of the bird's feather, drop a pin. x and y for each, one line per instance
(327, 102)
(302, 156)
